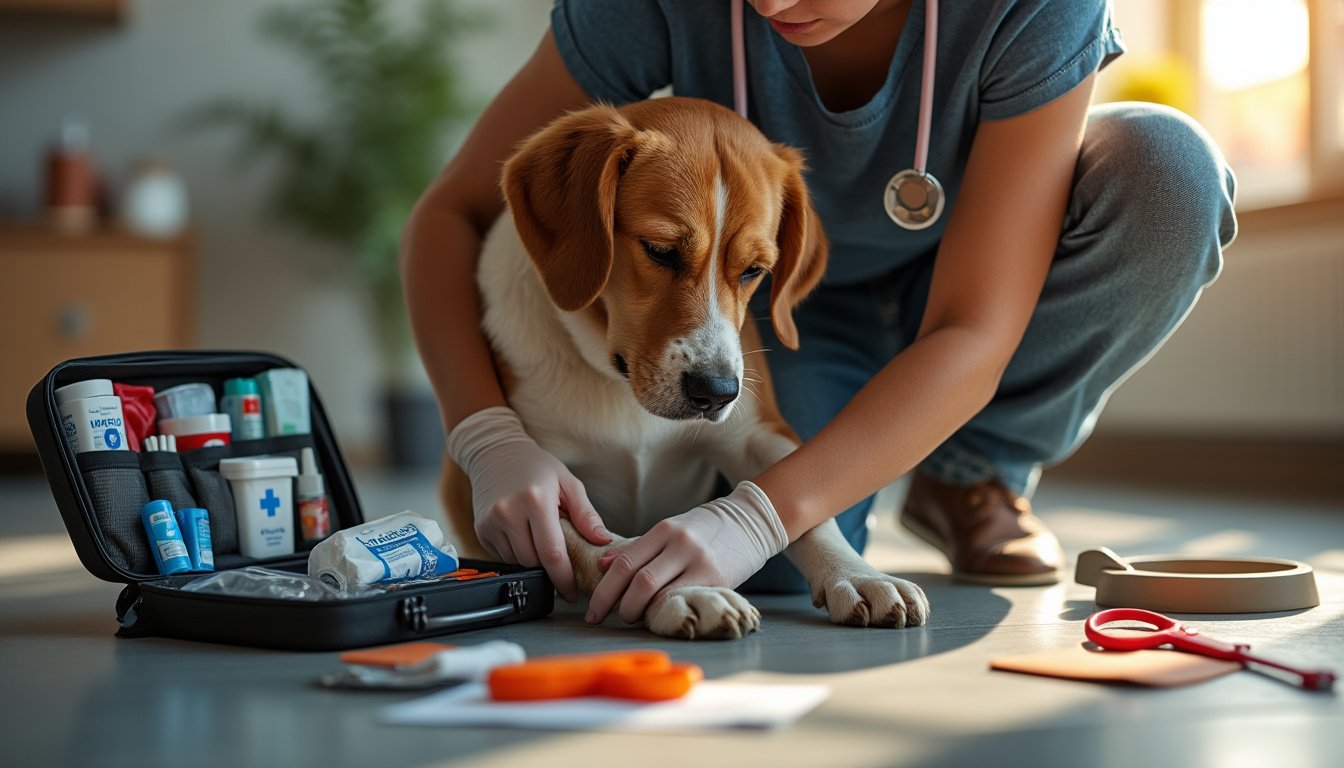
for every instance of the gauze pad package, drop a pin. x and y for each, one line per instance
(401, 547)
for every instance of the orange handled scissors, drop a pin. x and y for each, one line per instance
(640, 675)
(1179, 636)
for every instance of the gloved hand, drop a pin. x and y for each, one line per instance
(519, 491)
(717, 544)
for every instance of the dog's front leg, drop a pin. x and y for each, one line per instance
(583, 555)
(843, 583)
(689, 613)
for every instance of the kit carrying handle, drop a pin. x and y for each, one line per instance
(414, 615)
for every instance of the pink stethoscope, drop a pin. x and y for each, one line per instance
(913, 198)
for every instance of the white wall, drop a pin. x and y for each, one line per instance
(261, 287)
(1262, 354)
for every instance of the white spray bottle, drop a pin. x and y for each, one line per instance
(314, 515)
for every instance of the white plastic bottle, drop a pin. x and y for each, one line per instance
(91, 418)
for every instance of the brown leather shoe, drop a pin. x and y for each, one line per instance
(987, 532)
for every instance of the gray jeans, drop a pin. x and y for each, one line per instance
(1149, 215)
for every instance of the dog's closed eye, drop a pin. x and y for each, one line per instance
(664, 256)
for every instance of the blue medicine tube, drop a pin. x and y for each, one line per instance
(194, 523)
(165, 539)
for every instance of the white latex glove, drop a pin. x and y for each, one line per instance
(519, 492)
(717, 544)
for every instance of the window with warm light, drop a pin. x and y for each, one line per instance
(1265, 77)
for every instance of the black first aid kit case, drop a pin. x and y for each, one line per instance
(101, 487)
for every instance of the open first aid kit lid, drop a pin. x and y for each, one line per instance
(98, 537)
(258, 468)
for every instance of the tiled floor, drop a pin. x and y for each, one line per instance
(77, 696)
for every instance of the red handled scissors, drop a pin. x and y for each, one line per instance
(1179, 636)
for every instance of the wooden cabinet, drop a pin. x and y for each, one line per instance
(64, 296)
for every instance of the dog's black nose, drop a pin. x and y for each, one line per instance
(709, 393)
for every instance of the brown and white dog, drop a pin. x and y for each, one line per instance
(615, 293)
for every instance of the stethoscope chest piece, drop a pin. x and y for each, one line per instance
(913, 200)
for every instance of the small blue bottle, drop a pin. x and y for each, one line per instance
(195, 526)
(165, 539)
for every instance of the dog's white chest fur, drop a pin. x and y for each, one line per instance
(636, 467)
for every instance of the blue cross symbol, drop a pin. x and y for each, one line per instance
(270, 502)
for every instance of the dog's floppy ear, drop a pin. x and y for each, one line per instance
(802, 250)
(561, 188)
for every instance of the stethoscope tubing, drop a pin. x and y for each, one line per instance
(739, 61)
(926, 86)
(926, 78)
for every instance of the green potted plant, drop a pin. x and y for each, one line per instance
(392, 103)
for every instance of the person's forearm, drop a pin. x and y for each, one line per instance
(438, 270)
(909, 408)
(991, 266)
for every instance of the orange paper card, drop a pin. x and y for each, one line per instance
(1088, 662)
(394, 655)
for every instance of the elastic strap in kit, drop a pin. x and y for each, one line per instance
(118, 494)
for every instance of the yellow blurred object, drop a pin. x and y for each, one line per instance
(1159, 79)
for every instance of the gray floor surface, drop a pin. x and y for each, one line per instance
(76, 696)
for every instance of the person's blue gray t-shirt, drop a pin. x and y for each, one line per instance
(996, 59)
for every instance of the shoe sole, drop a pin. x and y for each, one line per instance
(1027, 580)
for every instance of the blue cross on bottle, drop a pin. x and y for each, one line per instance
(270, 502)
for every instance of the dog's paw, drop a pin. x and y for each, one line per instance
(703, 613)
(869, 598)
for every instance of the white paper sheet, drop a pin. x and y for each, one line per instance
(709, 705)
